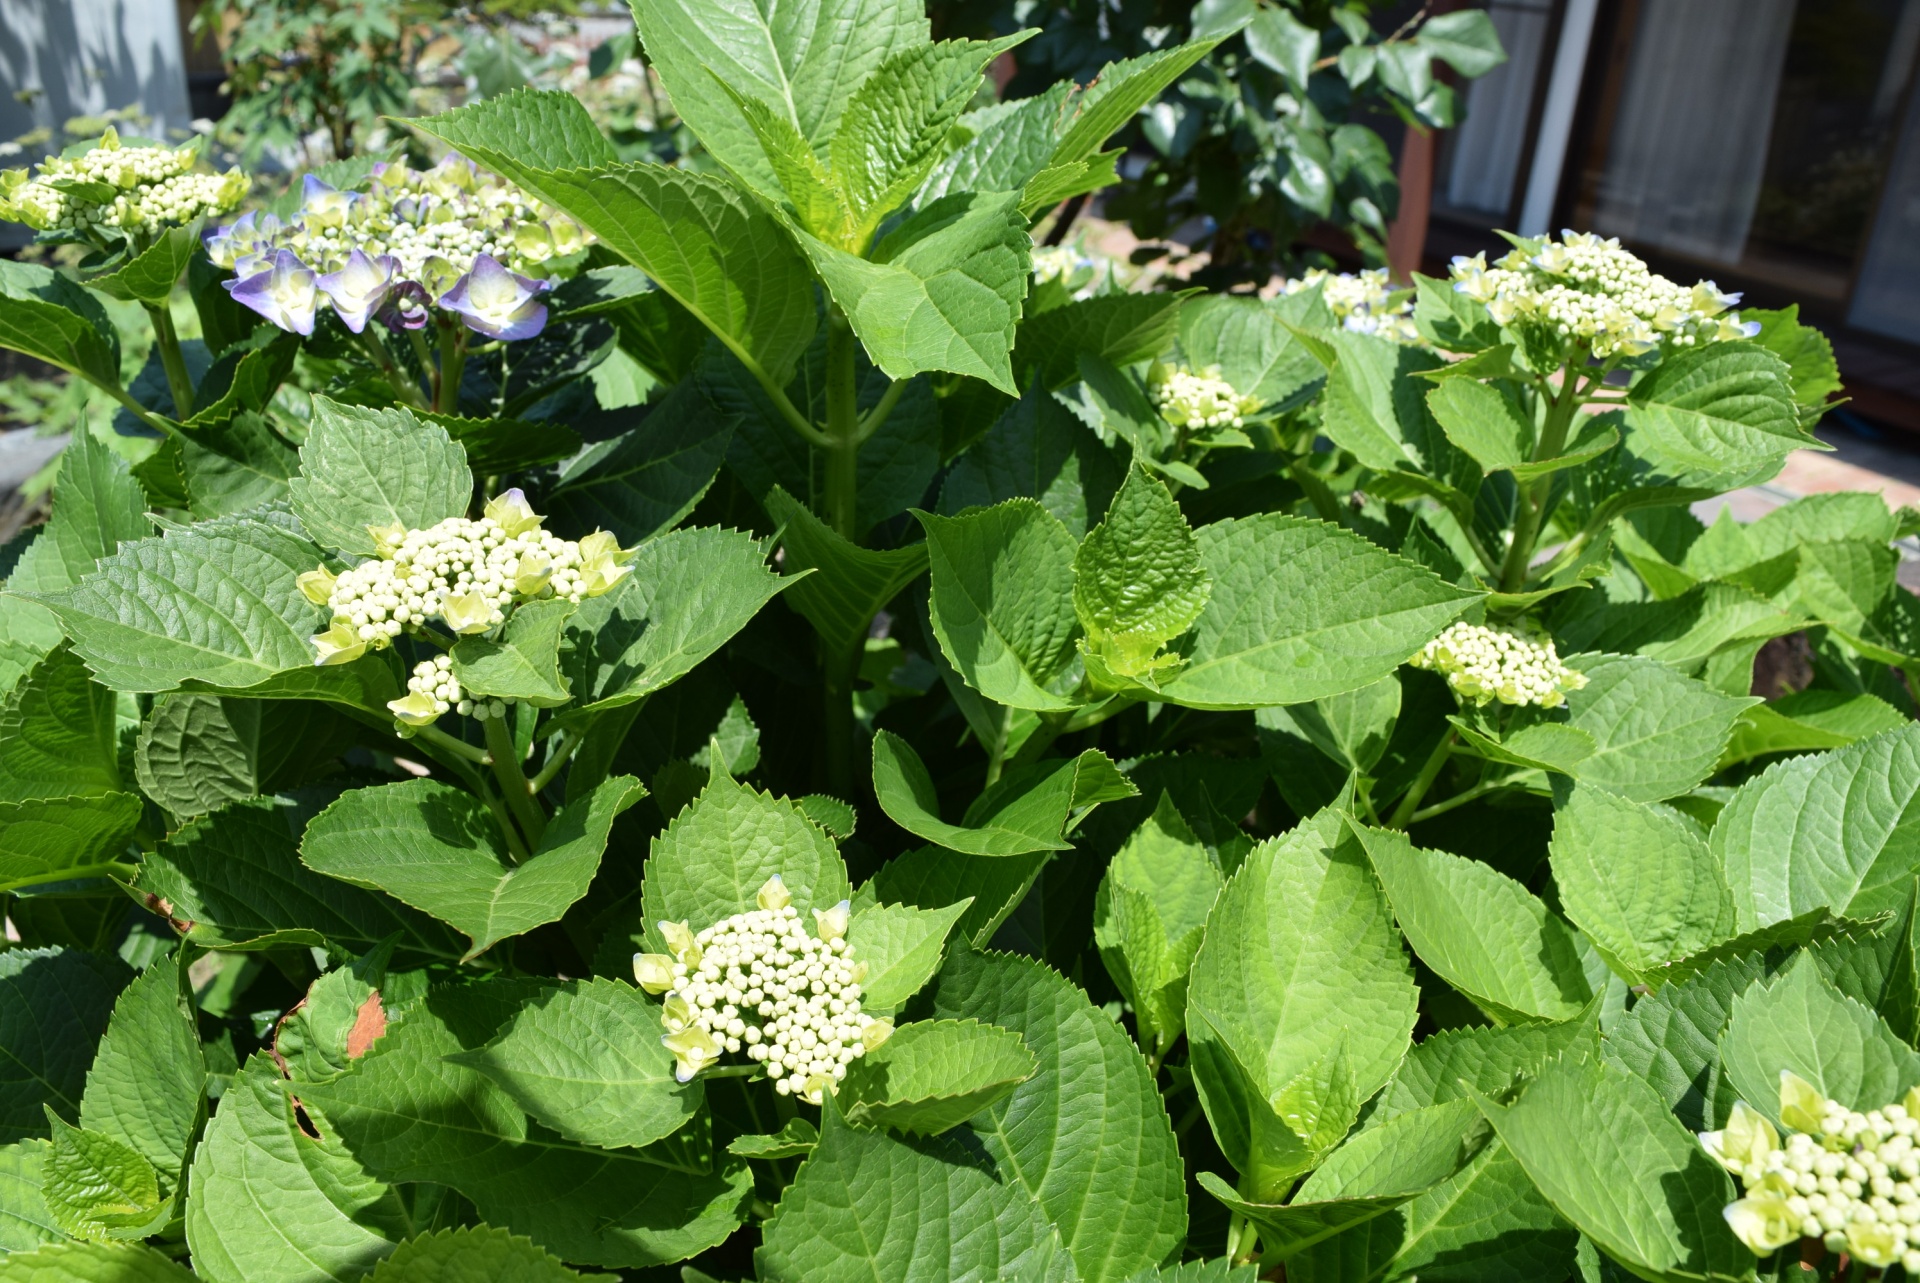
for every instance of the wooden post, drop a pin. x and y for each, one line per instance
(1407, 235)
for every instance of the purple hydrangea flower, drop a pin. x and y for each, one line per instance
(498, 303)
(360, 287)
(323, 205)
(407, 306)
(287, 293)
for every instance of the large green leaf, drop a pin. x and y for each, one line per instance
(91, 1263)
(1037, 449)
(942, 291)
(701, 239)
(25, 1220)
(409, 1114)
(361, 467)
(1720, 415)
(147, 1085)
(270, 1200)
(97, 505)
(524, 663)
(1137, 579)
(1030, 809)
(216, 607)
(1302, 609)
(646, 480)
(439, 849)
(1376, 408)
(1300, 1005)
(237, 465)
(1671, 1038)
(1250, 342)
(868, 1205)
(1002, 602)
(196, 753)
(59, 736)
(1656, 733)
(1602, 1147)
(1087, 1137)
(1831, 829)
(1638, 879)
(27, 633)
(99, 1188)
(717, 854)
(936, 877)
(1481, 931)
(46, 315)
(149, 277)
(234, 880)
(1149, 915)
(585, 1059)
(689, 592)
(1799, 1023)
(1119, 329)
(901, 946)
(54, 1005)
(933, 1075)
(850, 584)
(475, 1254)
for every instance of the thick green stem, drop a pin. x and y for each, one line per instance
(404, 387)
(513, 784)
(448, 744)
(1429, 772)
(843, 426)
(453, 361)
(555, 760)
(837, 684)
(1533, 496)
(167, 339)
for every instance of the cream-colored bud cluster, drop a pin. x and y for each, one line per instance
(1199, 399)
(434, 690)
(1484, 664)
(758, 983)
(466, 573)
(1590, 291)
(1364, 302)
(114, 191)
(1848, 1179)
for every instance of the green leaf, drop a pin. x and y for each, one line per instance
(805, 63)
(240, 385)
(708, 244)
(645, 481)
(98, 1188)
(1303, 609)
(474, 1254)
(1812, 372)
(1300, 988)
(361, 467)
(1119, 329)
(196, 753)
(91, 1263)
(524, 664)
(1671, 1038)
(25, 1221)
(270, 1200)
(795, 1139)
(27, 633)
(1138, 582)
(1353, 729)
(868, 1205)
(1656, 733)
(1827, 830)
(1037, 449)
(1373, 406)
(1251, 343)
(1807, 721)
(438, 848)
(942, 291)
(409, 1114)
(54, 1005)
(1002, 583)
(936, 877)
(1465, 40)
(1116, 94)
(1030, 809)
(901, 946)
(234, 880)
(96, 506)
(1449, 320)
(1149, 916)
(1086, 1137)
(219, 607)
(1602, 1147)
(1718, 416)
(716, 855)
(151, 275)
(933, 1075)
(689, 592)
(586, 1059)
(147, 1085)
(1455, 1063)
(1799, 1022)
(342, 1016)
(514, 445)
(236, 466)
(1481, 931)
(850, 585)
(56, 839)
(58, 734)
(46, 315)
(1638, 879)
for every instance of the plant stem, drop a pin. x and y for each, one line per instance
(1533, 497)
(876, 418)
(448, 744)
(843, 426)
(513, 784)
(167, 339)
(516, 845)
(124, 872)
(453, 361)
(1429, 772)
(555, 760)
(733, 1071)
(408, 390)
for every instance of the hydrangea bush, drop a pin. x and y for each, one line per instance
(638, 722)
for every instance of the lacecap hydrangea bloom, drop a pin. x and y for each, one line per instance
(1484, 664)
(453, 238)
(116, 192)
(1196, 399)
(1364, 302)
(758, 983)
(1582, 289)
(466, 574)
(1848, 1179)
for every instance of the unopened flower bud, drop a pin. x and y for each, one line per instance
(317, 585)
(773, 894)
(653, 972)
(832, 923)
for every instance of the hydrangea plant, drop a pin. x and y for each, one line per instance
(856, 753)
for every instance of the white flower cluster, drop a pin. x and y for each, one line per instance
(466, 573)
(1849, 1179)
(434, 690)
(757, 982)
(1590, 291)
(114, 191)
(1364, 302)
(1484, 664)
(1199, 399)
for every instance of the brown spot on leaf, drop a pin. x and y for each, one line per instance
(367, 1026)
